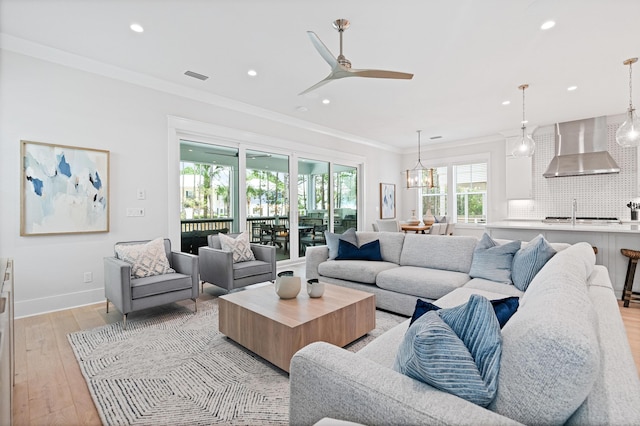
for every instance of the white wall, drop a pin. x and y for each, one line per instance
(46, 102)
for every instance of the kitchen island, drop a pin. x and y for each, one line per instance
(609, 238)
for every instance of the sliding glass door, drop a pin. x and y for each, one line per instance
(345, 198)
(313, 202)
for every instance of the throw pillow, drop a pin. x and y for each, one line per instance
(239, 246)
(456, 350)
(493, 261)
(332, 240)
(368, 251)
(503, 308)
(528, 261)
(146, 259)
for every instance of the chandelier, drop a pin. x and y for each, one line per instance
(419, 176)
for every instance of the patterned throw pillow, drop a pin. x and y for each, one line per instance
(146, 259)
(239, 246)
(456, 350)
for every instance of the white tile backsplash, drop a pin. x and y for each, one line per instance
(597, 195)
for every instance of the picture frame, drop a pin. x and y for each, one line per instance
(387, 200)
(63, 189)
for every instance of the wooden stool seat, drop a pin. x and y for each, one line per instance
(628, 295)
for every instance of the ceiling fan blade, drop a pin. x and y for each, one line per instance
(318, 84)
(382, 74)
(322, 49)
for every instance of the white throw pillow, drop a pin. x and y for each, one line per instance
(239, 246)
(146, 259)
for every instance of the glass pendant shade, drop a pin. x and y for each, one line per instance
(526, 147)
(628, 134)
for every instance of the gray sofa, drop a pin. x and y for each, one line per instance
(565, 357)
(414, 265)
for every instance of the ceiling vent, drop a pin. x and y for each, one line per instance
(196, 75)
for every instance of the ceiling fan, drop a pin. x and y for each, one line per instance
(341, 66)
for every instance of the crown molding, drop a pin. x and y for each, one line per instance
(72, 60)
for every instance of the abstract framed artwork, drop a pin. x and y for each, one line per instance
(387, 201)
(64, 189)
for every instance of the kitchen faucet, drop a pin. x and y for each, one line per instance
(574, 209)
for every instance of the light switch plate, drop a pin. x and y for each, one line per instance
(135, 212)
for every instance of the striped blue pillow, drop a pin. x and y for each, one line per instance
(456, 350)
(528, 261)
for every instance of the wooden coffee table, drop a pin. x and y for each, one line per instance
(276, 329)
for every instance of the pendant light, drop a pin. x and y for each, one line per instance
(527, 146)
(628, 135)
(419, 176)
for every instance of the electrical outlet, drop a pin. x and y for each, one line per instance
(135, 212)
(88, 277)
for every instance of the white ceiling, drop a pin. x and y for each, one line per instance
(467, 56)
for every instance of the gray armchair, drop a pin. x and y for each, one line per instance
(130, 294)
(217, 267)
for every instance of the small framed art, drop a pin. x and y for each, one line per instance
(387, 201)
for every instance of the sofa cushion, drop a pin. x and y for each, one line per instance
(456, 350)
(146, 259)
(528, 261)
(492, 261)
(494, 287)
(551, 354)
(332, 240)
(390, 243)
(449, 253)
(158, 284)
(240, 247)
(250, 269)
(368, 251)
(362, 271)
(421, 282)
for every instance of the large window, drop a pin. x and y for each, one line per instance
(465, 201)
(471, 192)
(345, 198)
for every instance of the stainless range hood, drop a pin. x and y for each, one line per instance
(581, 149)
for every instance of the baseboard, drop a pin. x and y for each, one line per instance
(43, 305)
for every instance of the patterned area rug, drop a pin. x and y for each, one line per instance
(173, 367)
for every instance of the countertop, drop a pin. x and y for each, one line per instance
(624, 227)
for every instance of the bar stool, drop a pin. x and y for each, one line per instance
(628, 295)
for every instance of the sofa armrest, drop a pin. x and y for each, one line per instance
(186, 263)
(314, 256)
(328, 381)
(216, 267)
(117, 283)
(266, 254)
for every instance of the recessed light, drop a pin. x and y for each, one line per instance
(572, 88)
(524, 121)
(326, 101)
(547, 25)
(252, 73)
(506, 102)
(136, 28)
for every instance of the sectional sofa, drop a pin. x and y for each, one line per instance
(565, 358)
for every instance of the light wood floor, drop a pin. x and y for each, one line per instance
(49, 387)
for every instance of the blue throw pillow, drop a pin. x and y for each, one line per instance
(368, 251)
(528, 261)
(456, 350)
(493, 261)
(332, 240)
(503, 308)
